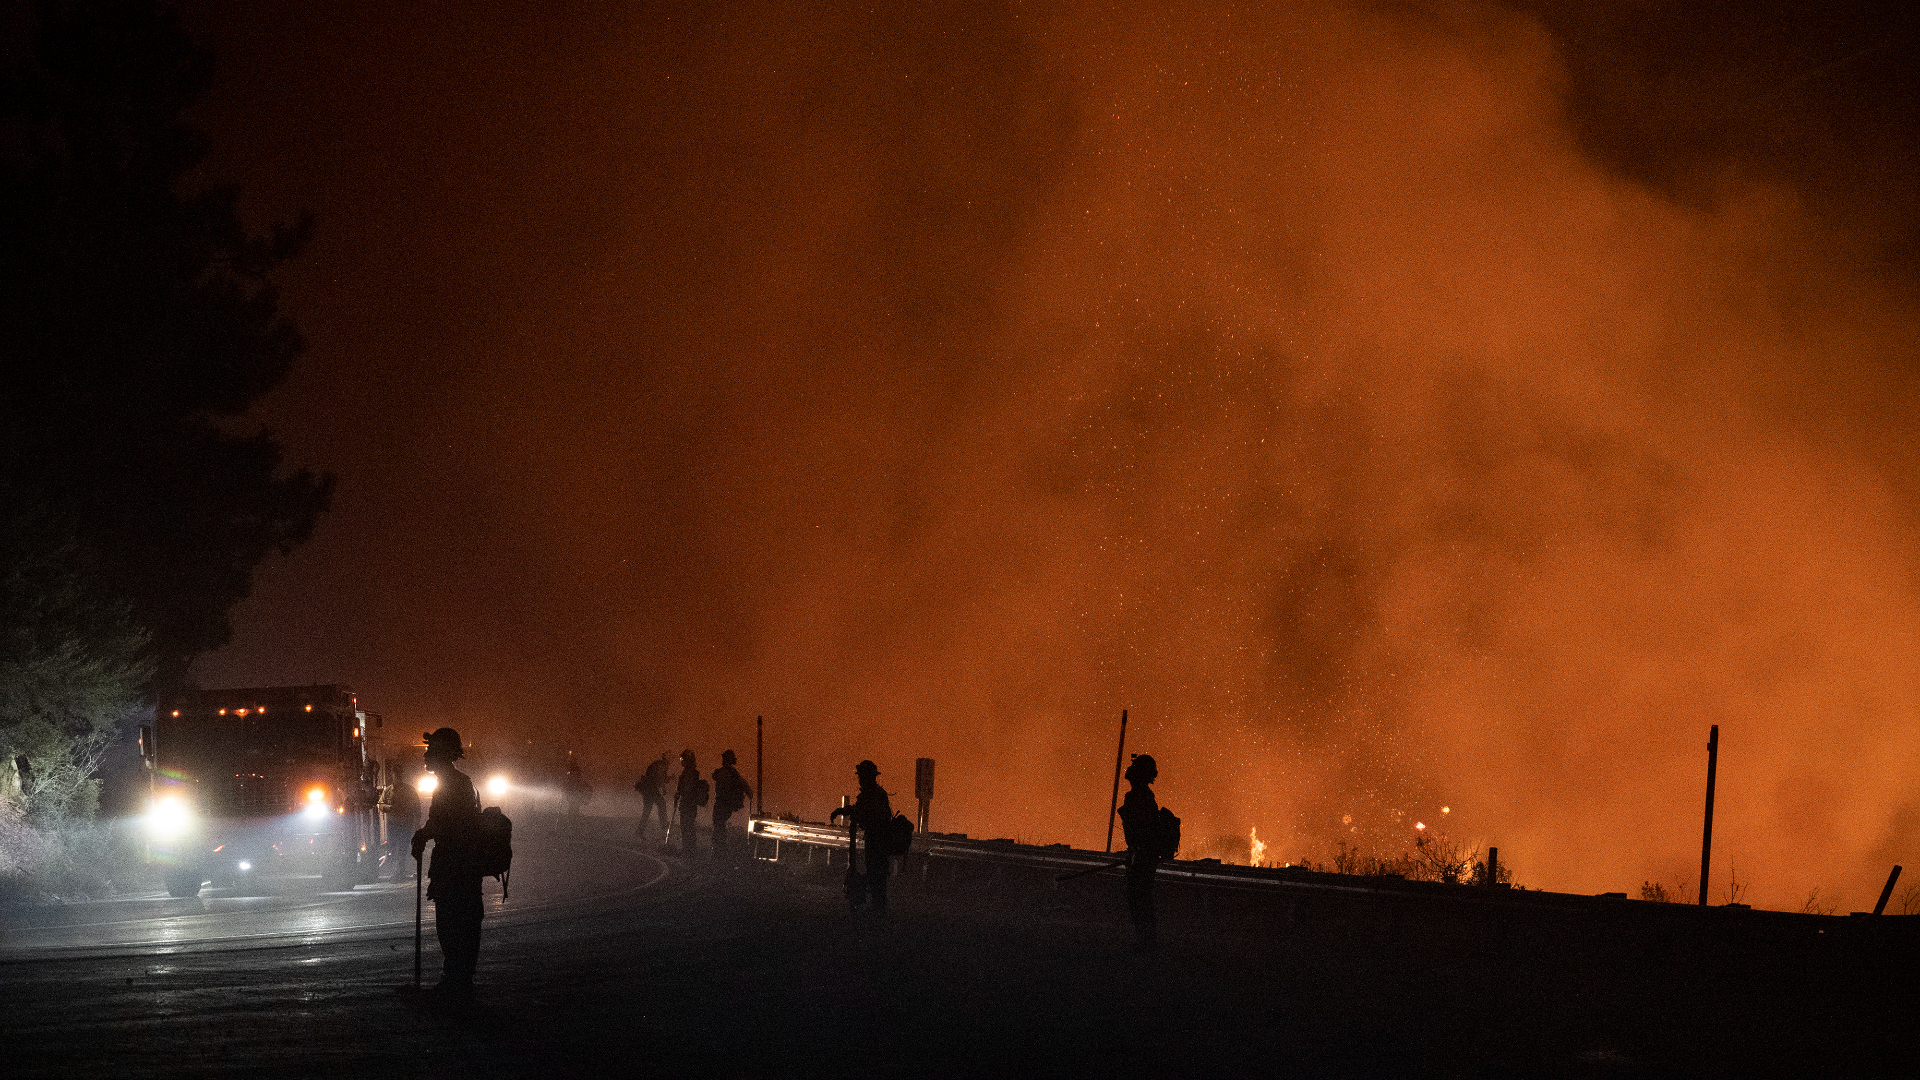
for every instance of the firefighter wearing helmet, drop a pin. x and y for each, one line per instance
(730, 795)
(873, 813)
(1145, 825)
(453, 824)
(689, 795)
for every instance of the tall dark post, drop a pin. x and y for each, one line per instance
(1113, 807)
(923, 789)
(1706, 838)
(1887, 892)
(1493, 866)
(759, 761)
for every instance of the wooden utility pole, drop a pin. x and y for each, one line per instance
(1706, 837)
(759, 760)
(1113, 806)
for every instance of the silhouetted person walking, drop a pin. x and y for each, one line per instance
(730, 794)
(689, 795)
(1147, 844)
(652, 787)
(577, 791)
(453, 824)
(873, 813)
(400, 801)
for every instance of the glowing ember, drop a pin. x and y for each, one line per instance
(1420, 825)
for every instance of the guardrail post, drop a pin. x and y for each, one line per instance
(1887, 892)
(923, 788)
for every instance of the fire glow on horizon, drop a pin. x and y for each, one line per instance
(1297, 380)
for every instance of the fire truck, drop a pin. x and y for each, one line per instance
(280, 780)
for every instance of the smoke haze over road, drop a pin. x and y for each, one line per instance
(1318, 382)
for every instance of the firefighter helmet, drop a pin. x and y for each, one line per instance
(446, 741)
(866, 768)
(1143, 768)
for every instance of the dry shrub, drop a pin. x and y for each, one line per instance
(1660, 894)
(1439, 857)
(1435, 857)
(22, 847)
(51, 860)
(1813, 906)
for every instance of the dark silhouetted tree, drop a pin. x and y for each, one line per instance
(138, 325)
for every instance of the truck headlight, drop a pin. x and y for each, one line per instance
(169, 817)
(317, 802)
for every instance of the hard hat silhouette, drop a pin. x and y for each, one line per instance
(1143, 768)
(447, 741)
(866, 768)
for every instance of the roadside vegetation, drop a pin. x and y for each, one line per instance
(1434, 856)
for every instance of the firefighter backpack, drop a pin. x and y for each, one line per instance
(700, 790)
(1167, 832)
(899, 835)
(496, 846)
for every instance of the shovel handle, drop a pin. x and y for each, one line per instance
(417, 887)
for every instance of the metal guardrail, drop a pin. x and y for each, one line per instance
(1064, 859)
(1301, 883)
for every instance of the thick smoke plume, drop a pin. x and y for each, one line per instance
(1301, 378)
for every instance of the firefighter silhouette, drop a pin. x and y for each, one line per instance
(453, 824)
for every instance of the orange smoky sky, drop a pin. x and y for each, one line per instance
(1393, 406)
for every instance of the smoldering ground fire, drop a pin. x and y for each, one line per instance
(941, 383)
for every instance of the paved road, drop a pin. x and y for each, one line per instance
(611, 960)
(553, 878)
